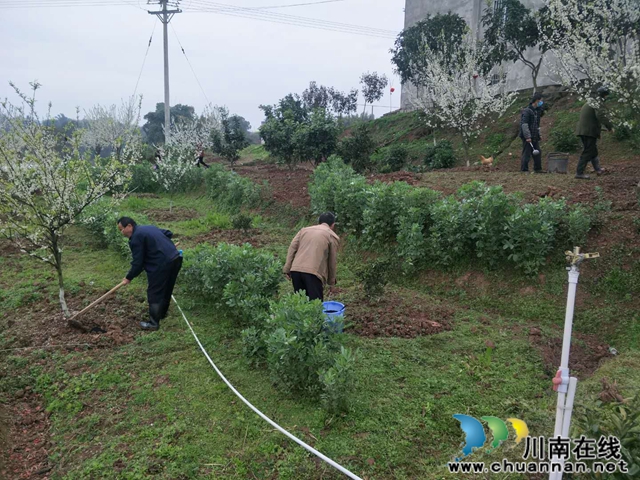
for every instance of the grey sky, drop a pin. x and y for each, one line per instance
(89, 55)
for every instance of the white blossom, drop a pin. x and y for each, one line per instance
(453, 93)
(596, 43)
(48, 179)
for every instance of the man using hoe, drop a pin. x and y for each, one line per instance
(530, 134)
(154, 252)
(312, 257)
(589, 130)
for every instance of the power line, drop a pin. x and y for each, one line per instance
(155, 24)
(191, 66)
(11, 4)
(243, 12)
(295, 4)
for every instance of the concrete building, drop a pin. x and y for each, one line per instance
(519, 75)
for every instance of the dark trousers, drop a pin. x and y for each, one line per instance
(589, 154)
(160, 288)
(311, 285)
(201, 162)
(527, 153)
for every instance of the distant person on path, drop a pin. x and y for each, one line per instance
(154, 252)
(589, 130)
(312, 257)
(200, 157)
(530, 134)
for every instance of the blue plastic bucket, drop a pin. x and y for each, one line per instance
(334, 311)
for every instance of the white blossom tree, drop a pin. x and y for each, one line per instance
(596, 43)
(453, 93)
(112, 126)
(47, 180)
(185, 140)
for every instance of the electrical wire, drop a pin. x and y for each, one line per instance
(191, 66)
(144, 60)
(243, 12)
(226, 7)
(295, 5)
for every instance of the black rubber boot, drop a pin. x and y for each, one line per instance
(155, 312)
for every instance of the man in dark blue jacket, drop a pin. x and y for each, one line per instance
(154, 252)
(530, 134)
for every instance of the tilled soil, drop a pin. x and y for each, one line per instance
(175, 215)
(287, 186)
(586, 355)
(393, 316)
(112, 323)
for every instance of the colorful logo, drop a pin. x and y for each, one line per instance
(475, 436)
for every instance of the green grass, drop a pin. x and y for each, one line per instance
(155, 408)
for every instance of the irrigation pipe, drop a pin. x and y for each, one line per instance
(260, 414)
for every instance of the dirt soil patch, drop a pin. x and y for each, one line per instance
(587, 352)
(287, 186)
(175, 215)
(253, 236)
(393, 316)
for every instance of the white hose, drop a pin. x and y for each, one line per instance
(262, 415)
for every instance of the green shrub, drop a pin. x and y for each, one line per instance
(563, 134)
(229, 190)
(374, 277)
(358, 148)
(100, 219)
(440, 155)
(142, 180)
(488, 208)
(396, 157)
(493, 143)
(253, 346)
(531, 232)
(297, 345)
(620, 420)
(335, 187)
(239, 280)
(573, 228)
(242, 221)
(386, 204)
(449, 235)
(338, 382)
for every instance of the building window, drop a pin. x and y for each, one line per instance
(497, 5)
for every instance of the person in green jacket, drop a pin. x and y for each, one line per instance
(589, 130)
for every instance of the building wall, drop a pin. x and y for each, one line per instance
(518, 76)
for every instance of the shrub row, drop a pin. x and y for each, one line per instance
(229, 190)
(478, 221)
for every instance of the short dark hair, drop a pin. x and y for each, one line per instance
(536, 96)
(126, 221)
(328, 218)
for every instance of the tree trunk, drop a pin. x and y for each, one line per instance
(466, 152)
(364, 110)
(63, 302)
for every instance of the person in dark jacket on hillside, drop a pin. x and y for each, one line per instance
(530, 134)
(589, 130)
(154, 252)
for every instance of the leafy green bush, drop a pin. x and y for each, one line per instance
(620, 420)
(239, 280)
(300, 353)
(374, 276)
(100, 219)
(573, 228)
(358, 148)
(242, 221)
(396, 157)
(142, 180)
(531, 232)
(449, 235)
(338, 381)
(380, 219)
(440, 155)
(563, 135)
(229, 190)
(335, 187)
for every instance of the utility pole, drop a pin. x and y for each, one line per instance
(165, 15)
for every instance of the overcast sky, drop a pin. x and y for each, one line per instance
(93, 55)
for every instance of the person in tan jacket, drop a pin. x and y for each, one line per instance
(312, 257)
